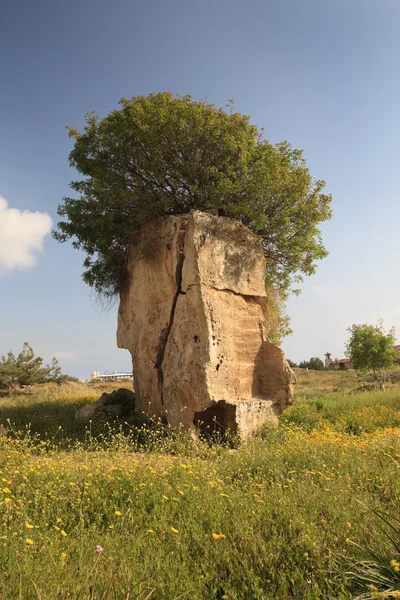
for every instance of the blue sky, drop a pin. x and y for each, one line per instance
(323, 75)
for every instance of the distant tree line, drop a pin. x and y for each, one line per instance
(370, 348)
(314, 364)
(28, 369)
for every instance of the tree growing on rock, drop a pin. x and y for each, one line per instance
(161, 155)
(371, 349)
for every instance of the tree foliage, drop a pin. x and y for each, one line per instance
(292, 364)
(371, 349)
(276, 318)
(315, 364)
(161, 155)
(26, 369)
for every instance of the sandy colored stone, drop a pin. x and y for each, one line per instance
(191, 316)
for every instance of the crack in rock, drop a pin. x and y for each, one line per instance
(162, 345)
(243, 295)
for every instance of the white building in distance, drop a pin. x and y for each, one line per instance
(111, 376)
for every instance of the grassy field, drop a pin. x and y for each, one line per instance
(97, 514)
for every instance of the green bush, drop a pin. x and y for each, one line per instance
(27, 369)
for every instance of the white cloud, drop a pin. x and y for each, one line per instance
(64, 355)
(21, 235)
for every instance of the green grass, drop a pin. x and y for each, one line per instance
(313, 383)
(46, 408)
(352, 413)
(273, 520)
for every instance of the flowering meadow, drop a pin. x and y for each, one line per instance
(152, 514)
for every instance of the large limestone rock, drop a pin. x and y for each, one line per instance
(192, 318)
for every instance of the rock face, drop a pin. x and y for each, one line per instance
(192, 318)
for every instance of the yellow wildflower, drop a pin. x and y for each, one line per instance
(395, 565)
(63, 533)
(219, 536)
(29, 542)
(29, 526)
(174, 530)
(150, 531)
(117, 513)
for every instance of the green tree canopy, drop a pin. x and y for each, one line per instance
(26, 369)
(292, 364)
(160, 155)
(315, 364)
(371, 349)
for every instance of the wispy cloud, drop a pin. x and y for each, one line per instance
(21, 235)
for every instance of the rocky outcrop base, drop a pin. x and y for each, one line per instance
(120, 403)
(192, 318)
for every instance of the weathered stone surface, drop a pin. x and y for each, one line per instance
(120, 403)
(192, 318)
